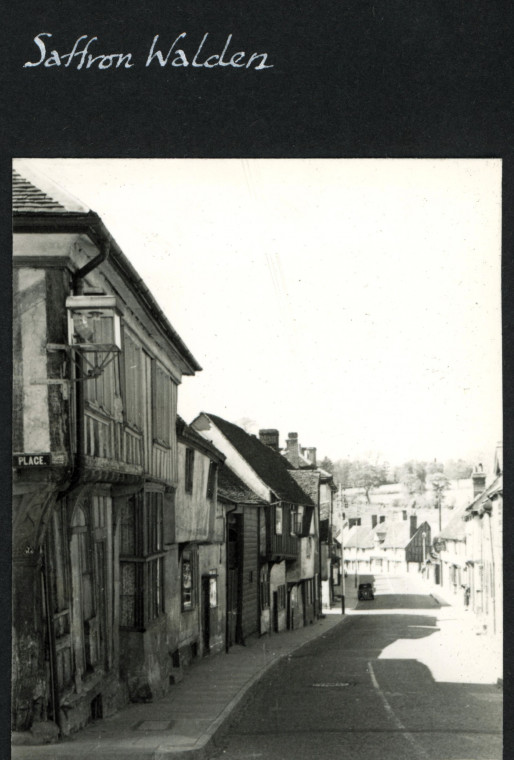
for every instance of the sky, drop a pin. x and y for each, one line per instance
(355, 302)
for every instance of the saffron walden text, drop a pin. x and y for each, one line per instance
(83, 55)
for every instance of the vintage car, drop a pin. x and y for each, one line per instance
(366, 591)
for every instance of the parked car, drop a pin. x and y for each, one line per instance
(366, 591)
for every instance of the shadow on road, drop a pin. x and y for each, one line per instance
(398, 602)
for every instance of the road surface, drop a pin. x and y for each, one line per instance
(366, 690)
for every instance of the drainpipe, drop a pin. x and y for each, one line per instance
(105, 248)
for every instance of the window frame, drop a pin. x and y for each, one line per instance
(144, 553)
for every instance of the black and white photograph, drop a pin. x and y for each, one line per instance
(257, 458)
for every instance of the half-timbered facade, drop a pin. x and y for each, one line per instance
(95, 466)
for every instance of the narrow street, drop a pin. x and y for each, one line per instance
(371, 688)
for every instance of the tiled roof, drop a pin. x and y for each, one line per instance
(34, 192)
(397, 533)
(189, 434)
(269, 465)
(233, 488)
(308, 480)
(455, 529)
(360, 537)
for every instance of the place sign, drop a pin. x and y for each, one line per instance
(32, 460)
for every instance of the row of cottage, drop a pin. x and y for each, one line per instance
(457, 548)
(140, 542)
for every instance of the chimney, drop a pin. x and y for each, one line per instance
(413, 524)
(292, 444)
(269, 437)
(310, 454)
(478, 477)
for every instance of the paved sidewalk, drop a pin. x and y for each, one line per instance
(185, 722)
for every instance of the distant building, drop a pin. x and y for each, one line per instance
(288, 526)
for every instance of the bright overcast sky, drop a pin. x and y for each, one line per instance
(356, 302)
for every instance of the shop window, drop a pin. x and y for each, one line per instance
(213, 590)
(188, 580)
(190, 464)
(141, 560)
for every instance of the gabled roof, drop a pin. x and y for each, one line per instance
(397, 533)
(232, 487)
(188, 435)
(269, 465)
(455, 529)
(360, 537)
(308, 480)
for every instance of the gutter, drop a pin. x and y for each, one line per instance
(91, 225)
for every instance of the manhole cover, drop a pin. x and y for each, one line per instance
(153, 725)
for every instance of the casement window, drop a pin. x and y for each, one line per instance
(188, 579)
(211, 480)
(134, 401)
(141, 560)
(264, 588)
(293, 524)
(299, 520)
(164, 405)
(278, 521)
(189, 470)
(101, 390)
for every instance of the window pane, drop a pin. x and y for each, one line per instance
(128, 595)
(128, 528)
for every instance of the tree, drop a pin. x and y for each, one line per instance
(328, 465)
(458, 469)
(440, 483)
